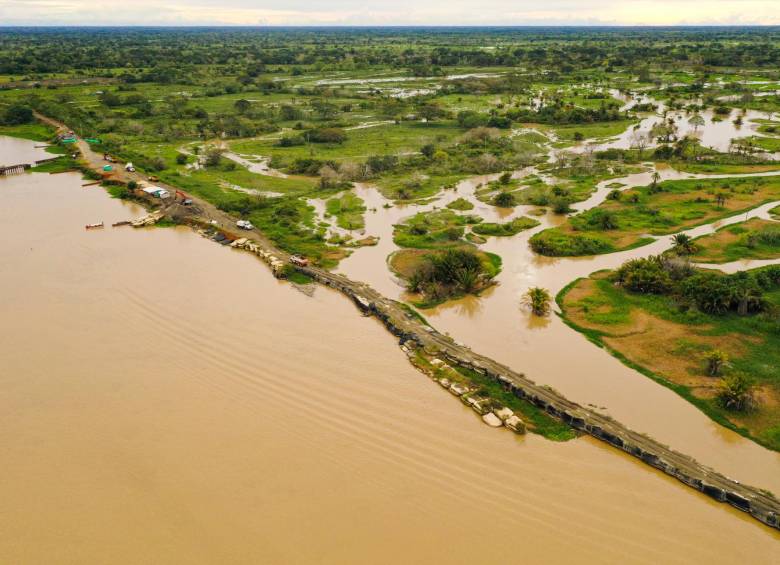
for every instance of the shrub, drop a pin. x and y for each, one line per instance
(716, 362)
(504, 200)
(290, 141)
(327, 135)
(716, 294)
(449, 273)
(645, 275)
(561, 206)
(602, 219)
(17, 114)
(736, 393)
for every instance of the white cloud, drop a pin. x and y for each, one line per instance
(397, 12)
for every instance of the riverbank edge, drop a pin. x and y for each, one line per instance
(595, 337)
(413, 334)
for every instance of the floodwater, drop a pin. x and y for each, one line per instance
(549, 351)
(164, 399)
(15, 151)
(716, 133)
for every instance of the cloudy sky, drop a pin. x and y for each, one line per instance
(389, 12)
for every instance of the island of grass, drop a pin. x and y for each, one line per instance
(433, 230)
(621, 223)
(513, 227)
(754, 239)
(348, 210)
(712, 338)
(438, 264)
(461, 204)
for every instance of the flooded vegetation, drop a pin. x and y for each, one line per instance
(472, 192)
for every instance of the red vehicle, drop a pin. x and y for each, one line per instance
(299, 260)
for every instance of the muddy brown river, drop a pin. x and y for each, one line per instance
(166, 400)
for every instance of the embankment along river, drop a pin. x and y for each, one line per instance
(164, 399)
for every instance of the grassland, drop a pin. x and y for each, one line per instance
(668, 343)
(573, 132)
(664, 209)
(32, 131)
(383, 139)
(754, 239)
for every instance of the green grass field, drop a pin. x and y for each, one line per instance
(670, 347)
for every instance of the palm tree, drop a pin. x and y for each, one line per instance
(538, 300)
(683, 244)
(736, 393)
(656, 177)
(716, 361)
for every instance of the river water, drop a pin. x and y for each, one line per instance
(164, 399)
(549, 351)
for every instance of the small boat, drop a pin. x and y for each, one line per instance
(94, 226)
(122, 223)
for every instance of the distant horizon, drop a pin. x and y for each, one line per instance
(396, 26)
(399, 13)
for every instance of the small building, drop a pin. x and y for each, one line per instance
(156, 191)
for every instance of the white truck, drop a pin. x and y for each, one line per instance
(245, 225)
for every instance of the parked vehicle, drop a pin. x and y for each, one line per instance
(245, 225)
(299, 260)
(130, 168)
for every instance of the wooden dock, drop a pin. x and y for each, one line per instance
(14, 169)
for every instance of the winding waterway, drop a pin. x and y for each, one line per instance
(548, 350)
(164, 399)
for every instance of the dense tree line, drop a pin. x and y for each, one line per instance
(425, 50)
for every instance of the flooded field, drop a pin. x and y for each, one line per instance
(164, 399)
(547, 349)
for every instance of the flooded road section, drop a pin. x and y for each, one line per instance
(550, 352)
(164, 399)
